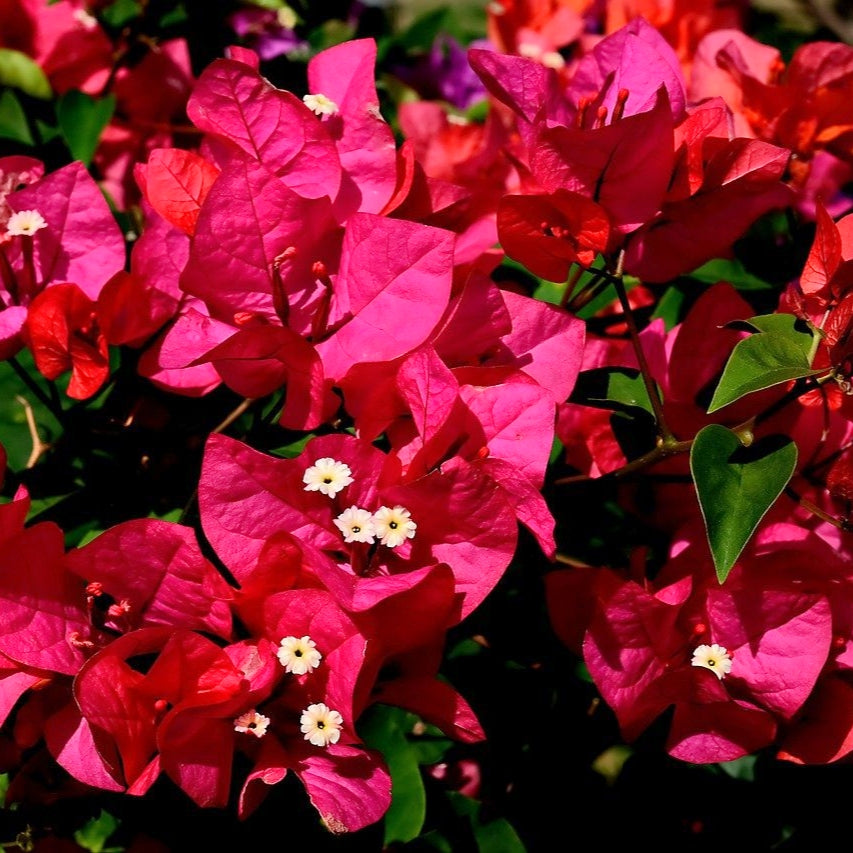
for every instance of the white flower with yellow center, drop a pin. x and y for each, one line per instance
(394, 525)
(252, 723)
(327, 476)
(298, 655)
(356, 525)
(713, 657)
(321, 725)
(25, 223)
(320, 105)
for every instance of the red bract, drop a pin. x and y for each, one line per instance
(133, 306)
(63, 333)
(130, 712)
(157, 570)
(176, 183)
(60, 230)
(548, 233)
(345, 75)
(243, 111)
(462, 516)
(774, 629)
(801, 107)
(63, 38)
(620, 138)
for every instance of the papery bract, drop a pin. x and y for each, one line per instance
(63, 334)
(233, 102)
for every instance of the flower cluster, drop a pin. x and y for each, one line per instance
(408, 395)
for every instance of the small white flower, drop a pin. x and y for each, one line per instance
(320, 105)
(83, 17)
(497, 8)
(328, 476)
(529, 50)
(394, 526)
(321, 725)
(25, 223)
(252, 723)
(713, 657)
(299, 655)
(552, 59)
(356, 525)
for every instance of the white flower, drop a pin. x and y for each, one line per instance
(356, 525)
(84, 18)
(552, 59)
(25, 223)
(321, 725)
(320, 105)
(529, 50)
(252, 723)
(394, 526)
(713, 657)
(328, 476)
(299, 655)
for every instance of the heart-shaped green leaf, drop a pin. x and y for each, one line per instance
(781, 350)
(736, 485)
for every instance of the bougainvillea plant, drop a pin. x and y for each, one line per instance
(405, 407)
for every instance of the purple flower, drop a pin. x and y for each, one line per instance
(267, 32)
(445, 73)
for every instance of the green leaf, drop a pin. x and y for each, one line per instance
(294, 448)
(740, 768)
(20, 72)
(13, 414)
(617, 388)
(732, 271)
(40, 505)
(94, 835)
(330, 33)
(47, 132)
(175, 17)
(13, 120)
(81, 119)
(121, 12)
(424, 31)
(384, 729)
(493, 836)
(736, 485)
(781, 350)
(671, 307)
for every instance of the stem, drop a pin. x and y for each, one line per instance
(43, 398)
(571, 283)
(663, 450)
(593, 288)
(815, 510)
(810, 383)
(233, 415)
(634, 332)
